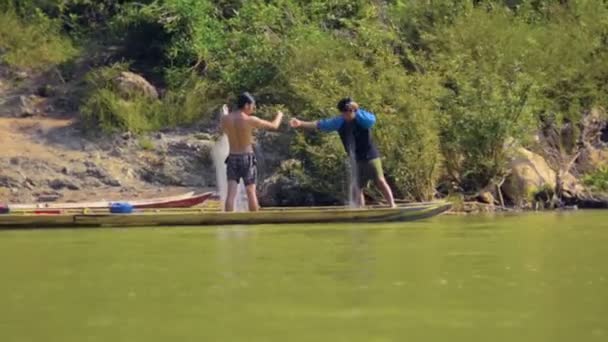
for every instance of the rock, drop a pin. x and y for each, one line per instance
(9, 182)
(92, 183)
(159, 177)
(49, 197)
(203, 136)
(206, 156)
(127, 136)
(46, 91)
(591, 159)
(530, 174)
(20, 75)
(486, 197)
(66, 103)
(129, 84)
(101, 174)
(288, 187)
(572, 188)
(272, 147)
(128, 172)
(29, 184)
(65, 170)
(477, 208)
(593, 202)
(117, 152)
(59, 184)
(594, 124)
(30, 105)
(280, 190)
(181, 146)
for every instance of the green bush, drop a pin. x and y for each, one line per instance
(145, 143)
(106, 110)
(35, 43)
(598, 180)
(488, 94)
(104, 106)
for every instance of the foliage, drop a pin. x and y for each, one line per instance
(105, 107)
(317, 75)
(487, 98)
(145, 143)
(34, 43)
(598, 180)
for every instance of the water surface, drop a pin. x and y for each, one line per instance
(537, 277)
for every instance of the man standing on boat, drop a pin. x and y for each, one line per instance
(354, 126)
(241, 162)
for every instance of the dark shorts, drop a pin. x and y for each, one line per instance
(242, 166)
(369, 170)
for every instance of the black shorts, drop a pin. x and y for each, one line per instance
(242, 166)
(369, 170)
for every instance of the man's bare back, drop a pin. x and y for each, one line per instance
(239, 127)
(239, 130)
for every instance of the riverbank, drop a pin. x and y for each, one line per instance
(46, 159)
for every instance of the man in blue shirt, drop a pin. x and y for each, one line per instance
(354, 126)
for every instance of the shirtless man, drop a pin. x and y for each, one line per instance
(241, 162)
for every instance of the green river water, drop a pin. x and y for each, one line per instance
(533, 277)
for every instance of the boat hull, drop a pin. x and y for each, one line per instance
(206, 218)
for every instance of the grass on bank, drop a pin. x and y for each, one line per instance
(35, 43)
(106, 107)
(597, 180)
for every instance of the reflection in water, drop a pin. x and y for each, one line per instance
(352, 176)
(233, 252)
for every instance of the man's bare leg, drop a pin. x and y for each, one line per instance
(231, 196)
(252, 198)
(386, 191)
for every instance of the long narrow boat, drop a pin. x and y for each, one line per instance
(186, 200)
(203, 218)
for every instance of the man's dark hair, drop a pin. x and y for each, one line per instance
(344, 104)
(244, 99)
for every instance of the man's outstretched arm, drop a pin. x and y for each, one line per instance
(295, 123)
(271, 125)
(325, 125)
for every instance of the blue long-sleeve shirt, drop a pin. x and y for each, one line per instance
(355, 135)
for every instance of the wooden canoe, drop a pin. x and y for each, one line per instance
(204, 218)
(186, 200)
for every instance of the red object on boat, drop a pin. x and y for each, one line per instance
(48, 212)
